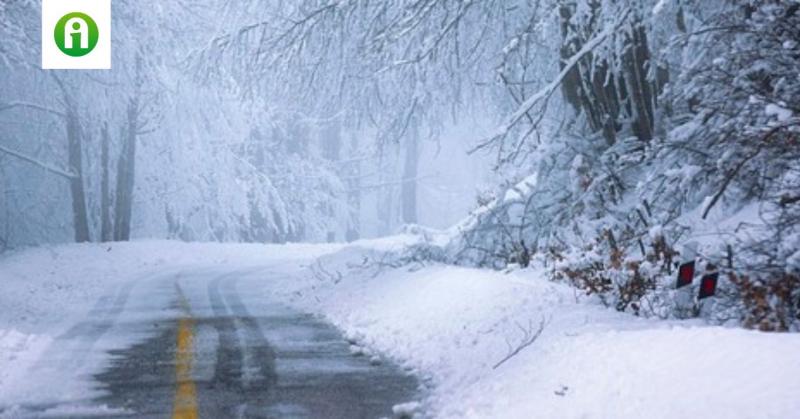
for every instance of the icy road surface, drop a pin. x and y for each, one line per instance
(197, 344)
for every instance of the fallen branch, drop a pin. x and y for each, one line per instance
(528, 337)
(320, 273)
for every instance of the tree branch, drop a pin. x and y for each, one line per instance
(45, 166)
(543, 94)
(733, 173)
(11, 105)
(528, 337)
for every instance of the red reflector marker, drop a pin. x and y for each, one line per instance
(685, 274)
(708, 285)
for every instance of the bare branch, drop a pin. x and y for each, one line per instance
(50, 168)
(529, 336)
(11, 105)
(733, 173)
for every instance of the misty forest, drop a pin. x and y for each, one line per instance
(463, 184)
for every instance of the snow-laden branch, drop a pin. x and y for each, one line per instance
(429, 49)
(547, 91)
(48, 167)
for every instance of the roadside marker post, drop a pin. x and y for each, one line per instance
(684, 295)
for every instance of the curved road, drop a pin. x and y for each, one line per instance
(200, 345)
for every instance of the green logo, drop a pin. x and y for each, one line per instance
(76, 34)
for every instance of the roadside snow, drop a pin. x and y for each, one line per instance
(18, 351)
(450, 325)
(779, 112)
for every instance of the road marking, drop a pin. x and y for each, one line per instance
(185, 404)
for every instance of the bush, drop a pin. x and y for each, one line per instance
(768, 305)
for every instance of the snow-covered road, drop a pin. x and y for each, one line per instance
(154, 327)
(197, 344)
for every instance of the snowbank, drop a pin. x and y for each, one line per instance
(18, 351)
(453, 325)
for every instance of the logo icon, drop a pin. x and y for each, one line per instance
(76, 34)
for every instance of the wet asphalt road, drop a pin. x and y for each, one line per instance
(203, 346)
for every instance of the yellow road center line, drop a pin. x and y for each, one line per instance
(185, 404)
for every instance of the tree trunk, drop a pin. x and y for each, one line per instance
(332, 141)
(126, 167)
(409, 191)
(606, 96)
(636, 60)
(331, 137)
(354, 194)
(385, 206)
(106, 232)
(75, 151)
(126, 173)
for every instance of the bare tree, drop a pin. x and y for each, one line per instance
(106, 226)
(410, 174)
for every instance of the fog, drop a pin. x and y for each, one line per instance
(202, 132)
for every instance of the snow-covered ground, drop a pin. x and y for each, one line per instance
(451, 325)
